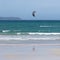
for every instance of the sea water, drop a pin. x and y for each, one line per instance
(28, 30)
(27, 26)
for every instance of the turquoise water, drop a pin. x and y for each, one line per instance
(25, 26)
(16, 31)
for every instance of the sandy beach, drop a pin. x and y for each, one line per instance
(26, 52)
(29, 47)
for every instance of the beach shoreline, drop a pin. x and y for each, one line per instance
(29, 44)
(31, 36)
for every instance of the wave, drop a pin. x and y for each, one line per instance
(31, 36)
(18, 32)
(5, 31)
(27, 37)
(36, 33)
(44, 33)
(46, 26)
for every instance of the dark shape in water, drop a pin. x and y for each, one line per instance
(33, 13)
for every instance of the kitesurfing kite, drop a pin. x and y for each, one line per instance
(33, 13)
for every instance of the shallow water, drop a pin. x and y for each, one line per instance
(30, 42)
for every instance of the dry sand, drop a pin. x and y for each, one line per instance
(56, 51)
(41, 53)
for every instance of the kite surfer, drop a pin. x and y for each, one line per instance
(33, 13)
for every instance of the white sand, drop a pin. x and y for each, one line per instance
(56, 51)
(26, 52)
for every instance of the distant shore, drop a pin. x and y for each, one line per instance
(10, 18)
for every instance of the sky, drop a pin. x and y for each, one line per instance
(45, 9)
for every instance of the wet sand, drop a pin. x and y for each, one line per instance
(29, 44)
(26, 52)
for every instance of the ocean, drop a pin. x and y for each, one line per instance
(27, 30)
(26, 26)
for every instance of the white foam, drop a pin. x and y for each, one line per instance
(45, 26)
(29, 37)
(16, 38)
(18, 33)
(32, 36)
(44, 33)
(5, 31)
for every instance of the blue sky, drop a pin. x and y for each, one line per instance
(45, 9)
